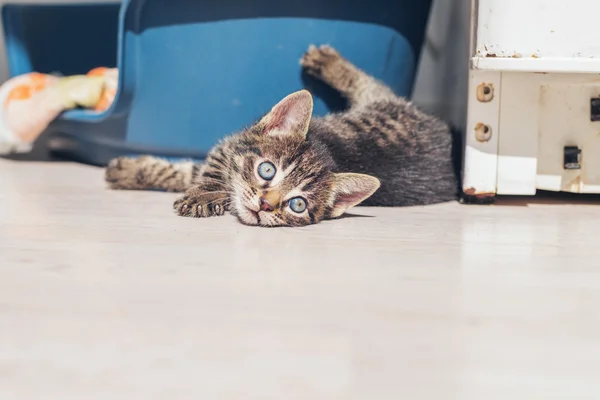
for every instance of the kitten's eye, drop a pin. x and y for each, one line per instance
(266, 170)
(297, 204)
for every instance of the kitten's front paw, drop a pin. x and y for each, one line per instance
(121, 173)
(317, 59)
(201, 205)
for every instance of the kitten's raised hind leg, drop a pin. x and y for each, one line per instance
(326, 64)
(150, 173)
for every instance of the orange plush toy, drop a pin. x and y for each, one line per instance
(28, 103)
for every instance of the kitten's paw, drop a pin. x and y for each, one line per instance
(317, 59)
(201, 205)
(121, 173)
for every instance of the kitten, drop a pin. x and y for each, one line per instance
(289, 170)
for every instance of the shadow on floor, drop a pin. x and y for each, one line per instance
(548, 198)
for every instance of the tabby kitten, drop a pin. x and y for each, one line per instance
(289, 170)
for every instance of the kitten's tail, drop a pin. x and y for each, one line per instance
(150, 173)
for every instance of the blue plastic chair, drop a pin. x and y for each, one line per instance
(192, 72)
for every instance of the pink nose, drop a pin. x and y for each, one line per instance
(265, 205)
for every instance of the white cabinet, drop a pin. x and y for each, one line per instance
(534, 98)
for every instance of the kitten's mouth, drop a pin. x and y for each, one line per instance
(254, 214)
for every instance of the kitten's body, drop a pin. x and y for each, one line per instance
(411, 156)
(325, 161)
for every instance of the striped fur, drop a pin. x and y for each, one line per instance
(382, 151)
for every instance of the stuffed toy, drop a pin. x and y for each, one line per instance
(30, 102)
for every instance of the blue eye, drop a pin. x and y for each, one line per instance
(297, 204)
(266, 170)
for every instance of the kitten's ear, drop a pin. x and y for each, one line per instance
(290, 116)
(350, 190)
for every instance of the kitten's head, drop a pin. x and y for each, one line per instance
(282, 179)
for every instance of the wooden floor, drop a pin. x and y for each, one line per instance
(108, 295)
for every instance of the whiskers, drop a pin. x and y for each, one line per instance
(239, 196)
(225, 204)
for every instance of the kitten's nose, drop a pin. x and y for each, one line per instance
(265, 205)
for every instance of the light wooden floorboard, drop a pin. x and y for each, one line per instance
(109, 295)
